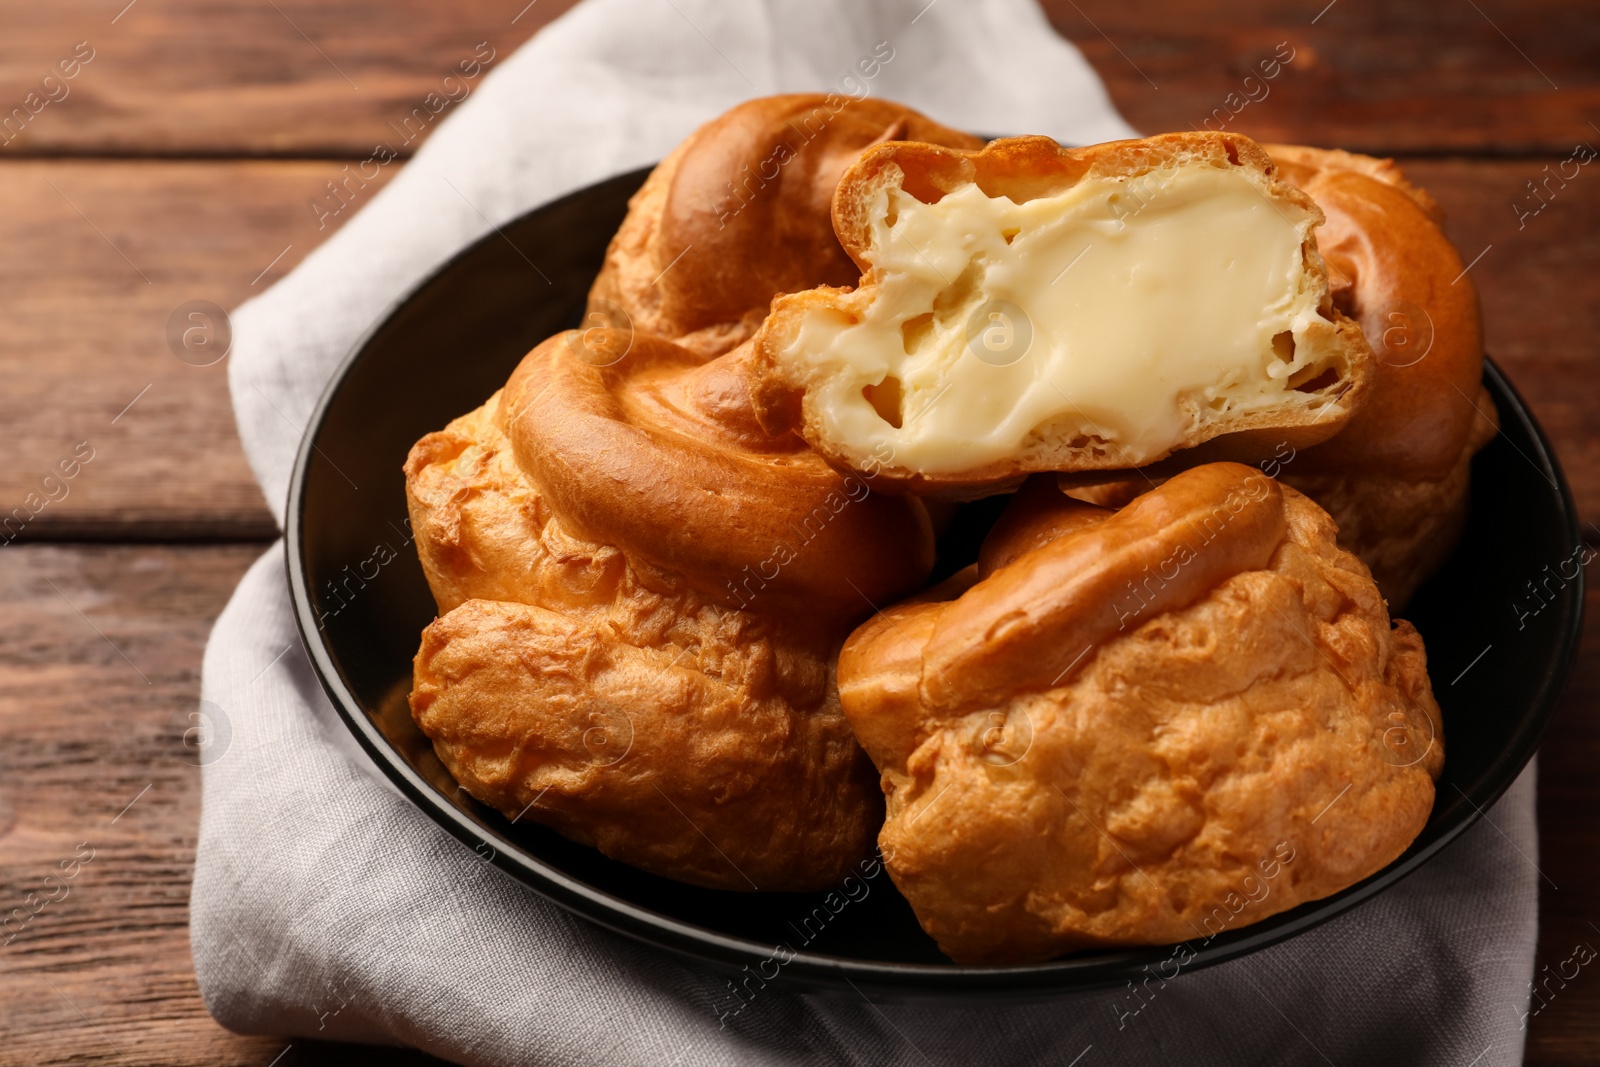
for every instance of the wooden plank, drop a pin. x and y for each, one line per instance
(103, 975)
(86, 331)
(1540, 287)
(1565, 1032)
(304, 78)
(99, 672)
(99, 255)
(91, 722)
(83, 733)
(1386, 76)
(293, 77)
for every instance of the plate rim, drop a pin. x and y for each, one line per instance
(1047, 980)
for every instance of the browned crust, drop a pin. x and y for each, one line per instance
(659, 455)
(697, 761)
(1396, 273)
(1396, 480)
(1273, 729)
(1024, 168)
(1403, 529)
(739, 212)
(602, 665)
(1300, 163)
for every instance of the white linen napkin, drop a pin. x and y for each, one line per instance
(325, 905)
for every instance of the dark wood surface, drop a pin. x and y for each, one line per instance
(1469, 77)
(178, 169)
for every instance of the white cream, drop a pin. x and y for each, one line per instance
(1144, 296)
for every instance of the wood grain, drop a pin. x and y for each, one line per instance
(90, 721)
(299, 77)
(1540, 287)
(179, 167)
(86, 331)
(99, 672)
(98, 255)
(1566, 1032)
(287, 78)
(1380, 76)
(103, 975)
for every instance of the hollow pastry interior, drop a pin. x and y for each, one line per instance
(1104, 321)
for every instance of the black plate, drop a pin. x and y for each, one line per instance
(455, 340)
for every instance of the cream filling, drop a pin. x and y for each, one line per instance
(1120, 310)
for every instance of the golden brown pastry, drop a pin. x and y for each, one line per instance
(978, 347)
(1157, 724)
(642, 598)
(1395, 480)
(740, 212)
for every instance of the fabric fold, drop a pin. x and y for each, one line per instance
(325, 905)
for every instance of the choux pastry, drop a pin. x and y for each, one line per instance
(740, 212)
(1026, 307)
(1096, 738)
(642, 596)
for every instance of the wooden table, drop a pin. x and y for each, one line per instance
(179, 166)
